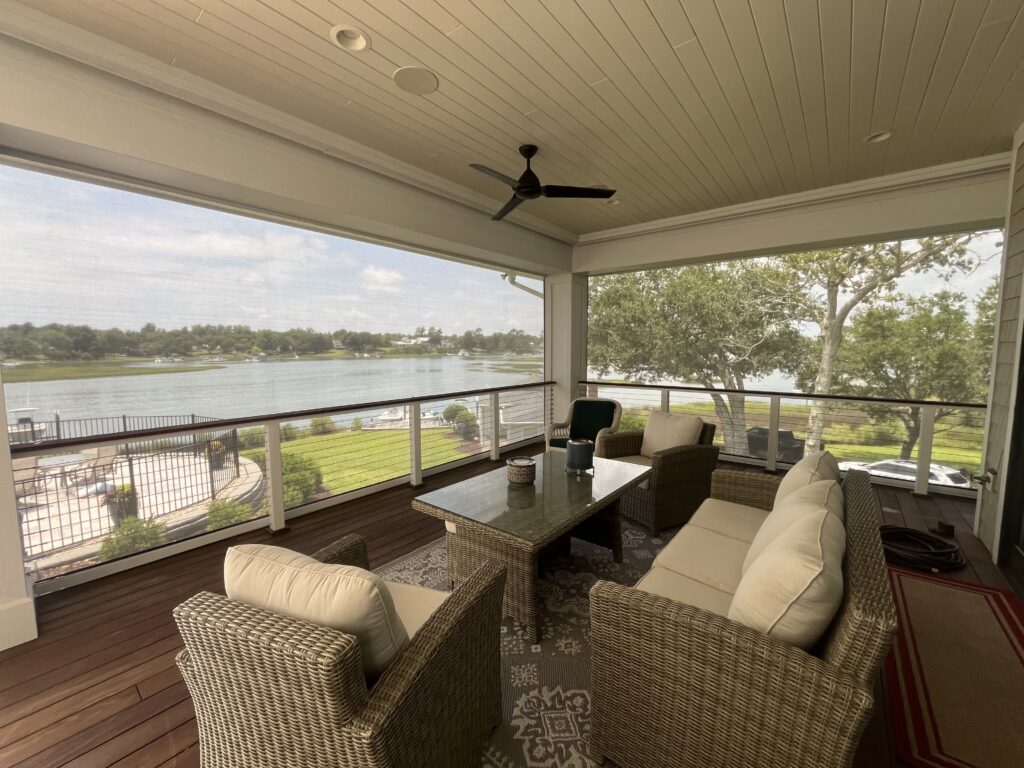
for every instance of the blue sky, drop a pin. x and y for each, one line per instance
(72, 252)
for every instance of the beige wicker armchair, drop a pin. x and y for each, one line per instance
(676, 686)
(274, 691)
(679, 482)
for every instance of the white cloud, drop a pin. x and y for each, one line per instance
(381, 280)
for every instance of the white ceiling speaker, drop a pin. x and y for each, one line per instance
(417, 80)
(878, 138)
(349, 38)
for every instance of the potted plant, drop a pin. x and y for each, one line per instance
(122, 504)
(216, 452)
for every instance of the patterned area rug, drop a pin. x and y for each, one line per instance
(949, 682)
(545, 687)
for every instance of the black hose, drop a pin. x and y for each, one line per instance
(920, 550)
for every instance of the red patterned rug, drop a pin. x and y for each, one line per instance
(956, 688)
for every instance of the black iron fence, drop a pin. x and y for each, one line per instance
(28, 429)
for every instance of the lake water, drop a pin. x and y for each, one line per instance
(252, 389)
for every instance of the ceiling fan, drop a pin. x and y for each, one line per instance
(528, 187)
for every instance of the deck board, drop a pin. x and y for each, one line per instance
(99, 686)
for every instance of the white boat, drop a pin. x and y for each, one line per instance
(392, 414)
(22, 427)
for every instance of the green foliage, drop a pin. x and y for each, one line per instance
(253, 437)
(133, 535)
(301, 475)
(357, 424)
(322, 425)
(466, 426)
(289, 432)
(451, 412)
(216, 452)
(225, 512)
(123, 504)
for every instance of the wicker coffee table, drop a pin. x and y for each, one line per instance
(488, 519)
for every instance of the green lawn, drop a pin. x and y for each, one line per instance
(350, 460)
(90, 370)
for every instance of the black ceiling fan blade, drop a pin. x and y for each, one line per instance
(510, 206)
(495, 174)
(555, 190)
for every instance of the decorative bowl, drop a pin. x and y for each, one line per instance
(522, 470)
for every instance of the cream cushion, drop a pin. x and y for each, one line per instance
(668, 430)
(737, 521)
(821, 465)
(642, 461)
(414, 604)
(793, 588)
(808, 500)
(682, 589)
(342, 597)
(705, 556)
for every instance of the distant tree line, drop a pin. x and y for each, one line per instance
(59, 342)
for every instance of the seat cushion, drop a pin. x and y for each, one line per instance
(342, 597)
(813, 467)
(737, 521)
(558, 442)
(675, 586)
(705, 556)
(793, 589)
(642, 461)
(668, 430)
(414, 604)
(823, 494)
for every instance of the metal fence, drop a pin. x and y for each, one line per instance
(927, 445)
(28, 429)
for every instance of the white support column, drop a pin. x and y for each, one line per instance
(17, 609)
(415, 445)
(772, 451)
(666, 400)
(565, 337)
(924, 449)
(275, 477)
(495, 408)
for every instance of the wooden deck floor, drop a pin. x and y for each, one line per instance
(99, 686)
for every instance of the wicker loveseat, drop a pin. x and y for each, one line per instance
(271, 691)
(676, 685)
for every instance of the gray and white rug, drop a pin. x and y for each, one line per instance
(545, 687)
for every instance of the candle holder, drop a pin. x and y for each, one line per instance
(522, 470)
(579, 456)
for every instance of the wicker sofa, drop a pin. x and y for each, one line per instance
(272, 691)
(676, 685)
(679, 482)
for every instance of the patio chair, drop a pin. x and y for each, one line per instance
(270, 690)
(681, 476)
(588, 417)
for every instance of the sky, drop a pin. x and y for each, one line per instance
(73, 252)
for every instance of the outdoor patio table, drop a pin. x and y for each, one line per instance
(488, 519)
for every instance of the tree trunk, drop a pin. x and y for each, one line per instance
(831, 336)
(912, 423)
(731, 411)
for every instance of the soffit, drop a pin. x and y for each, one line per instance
(684, 106)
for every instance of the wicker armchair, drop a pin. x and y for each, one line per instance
(273, 691)
(674, 685)
(680, 481)
(588, 419)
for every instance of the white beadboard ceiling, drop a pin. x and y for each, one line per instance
(683, 105)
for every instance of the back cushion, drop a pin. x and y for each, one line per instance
(821, 494)
(667, 430)
(343, 597)
(589, 417)
(793, 589)
(820, 465)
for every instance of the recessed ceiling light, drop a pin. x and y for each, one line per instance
(349, 38)
(878, 138)
(418, 80)
(612, 201)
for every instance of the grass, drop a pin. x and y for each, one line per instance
(350, 460)
(90, 370)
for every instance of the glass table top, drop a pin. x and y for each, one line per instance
(532, 511)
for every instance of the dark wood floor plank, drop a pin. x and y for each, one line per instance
(187, 759)
(131, 741)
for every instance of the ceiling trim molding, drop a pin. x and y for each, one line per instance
(924, 177)
(58, 37)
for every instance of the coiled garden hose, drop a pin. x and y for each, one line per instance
(920, 550)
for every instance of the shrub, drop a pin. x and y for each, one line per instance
(466, 426)
(357, 424)
(123, 504)
(133, 535)
(251, 438)
(289, 432)
(322, 425)
(452, 412)
(225, 512)
(302, 475)
(216, 452)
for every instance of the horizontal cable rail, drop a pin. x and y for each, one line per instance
(923, 444)
(91, 502)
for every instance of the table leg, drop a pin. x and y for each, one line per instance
(603, 528)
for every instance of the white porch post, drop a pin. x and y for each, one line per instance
(17, 609)
(565, 337)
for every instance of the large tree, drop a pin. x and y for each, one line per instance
(911, 349)
(717, 325)
(837, 281)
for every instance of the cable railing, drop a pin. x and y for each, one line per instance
(85, 501)
(923, 444)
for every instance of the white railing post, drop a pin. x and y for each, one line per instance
(772, 449)
(275, 477)
(495, 426)
(415, 445)
(666, 398)
(924, 450)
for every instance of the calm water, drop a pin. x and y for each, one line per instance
(249, 389)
